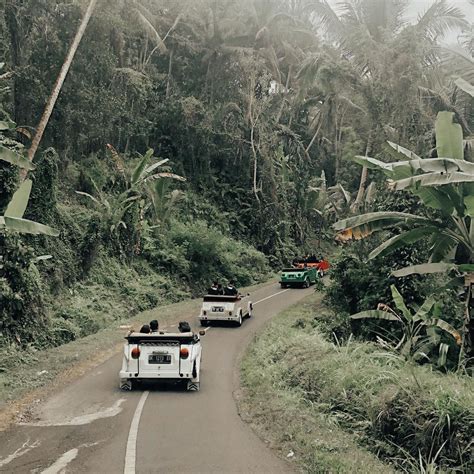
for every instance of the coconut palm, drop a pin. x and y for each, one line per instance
(367, 30)
(59, 82)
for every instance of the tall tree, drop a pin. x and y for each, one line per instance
(59, 82)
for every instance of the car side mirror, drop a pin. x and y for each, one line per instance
(202, 332)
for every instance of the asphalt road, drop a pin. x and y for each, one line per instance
(91, 426)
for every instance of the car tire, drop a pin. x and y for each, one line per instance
(306, 283)
(283, 285)
(239, 322)
(204, 323)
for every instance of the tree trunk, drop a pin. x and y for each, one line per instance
(170, 68)
(314, 136)
(59, 83)
(363, 178)
(280, 111)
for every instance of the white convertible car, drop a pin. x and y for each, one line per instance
(161, 356)
(225, 308)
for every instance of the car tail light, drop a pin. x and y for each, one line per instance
(204, 312)
(184, 353)
(135, 353)
(230, 313)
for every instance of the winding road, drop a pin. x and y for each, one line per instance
(91, 426)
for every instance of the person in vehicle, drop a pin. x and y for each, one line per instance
(145, 329)
(220, 289)
(154, 326)
(230, 289)
(214, 289)
(184, 326)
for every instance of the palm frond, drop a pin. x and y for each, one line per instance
(438, 19)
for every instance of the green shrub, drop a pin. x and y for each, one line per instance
(22, 309)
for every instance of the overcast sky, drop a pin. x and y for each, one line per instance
(416, 7)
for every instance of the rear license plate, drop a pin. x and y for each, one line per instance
(217, 309)
(159, 359)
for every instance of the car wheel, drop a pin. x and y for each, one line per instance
(306, 283)
(239, 322)
(283, 285)
(204, 323)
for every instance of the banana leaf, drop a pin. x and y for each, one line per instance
(424, 269)
(424, 310)
(375, 314)
(442, 245)
(359, 227)
(432, 179)
(446, 327)
(469, 205)
(7, 124)
(465, 86)
(82, 193)
(399, 303)
(402, 240)
(404, 151)
(140, 168)
(440, 165)
(26, 226)
(164, 175)
(15, 158)
(436, 198)
(19, 200)
(155, 165)
(448, 136)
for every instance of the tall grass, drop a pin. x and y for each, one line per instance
(408, 415)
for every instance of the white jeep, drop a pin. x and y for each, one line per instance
(161, 356)
(225, 308)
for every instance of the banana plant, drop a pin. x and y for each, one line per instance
(445, 183)
(13, 218)
(420, 328)
(138, 184)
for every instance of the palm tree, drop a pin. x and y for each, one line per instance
(59, 82)
(365, 31)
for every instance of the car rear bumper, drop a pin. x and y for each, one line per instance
(224, 317)
(150, 376)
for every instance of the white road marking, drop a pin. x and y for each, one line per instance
(58, 467)
(271, 296)
(131, 453)
(19, 452)
(62, 462)
(114, 410)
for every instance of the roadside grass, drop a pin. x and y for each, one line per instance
(331, 404)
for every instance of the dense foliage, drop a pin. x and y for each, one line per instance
(259, 105)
